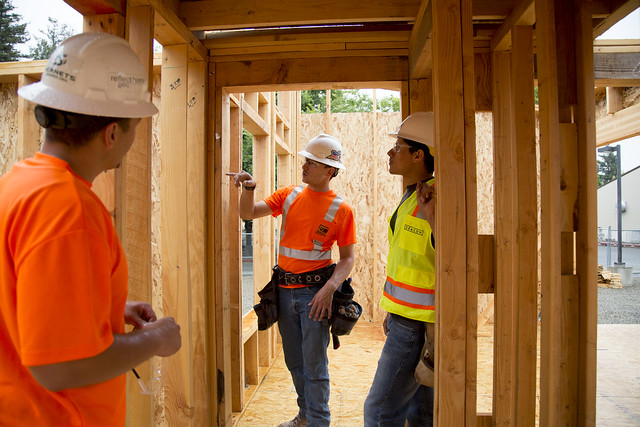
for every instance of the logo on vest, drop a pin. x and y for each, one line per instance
(322, 230)
(413, 230)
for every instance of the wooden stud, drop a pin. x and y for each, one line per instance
(174, 242)
(504, 152)
(235, 265)
(28, 128)
(614, 99)
(196, 229)
(526, 292)
(586, 241)
(133, 208)
(451, 257)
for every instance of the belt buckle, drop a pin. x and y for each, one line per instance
(290, 278)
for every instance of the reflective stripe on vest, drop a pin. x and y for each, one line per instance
(408, 295)
(316, 253)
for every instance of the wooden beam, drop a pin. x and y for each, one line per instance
(420, 45)
(618, 126)
(169, 29)
(616, 66)
(523, 14)
(9, 71)
(96, 7)
(271, 73)
(216, 15)
(619, 9)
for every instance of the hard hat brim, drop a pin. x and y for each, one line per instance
(327, 162)
(48, 97)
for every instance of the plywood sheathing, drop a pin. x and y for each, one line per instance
(8, 126)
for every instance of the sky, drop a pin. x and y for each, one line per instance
(36, 13)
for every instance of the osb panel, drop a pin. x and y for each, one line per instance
(8, 126)
(368, 188)
(484, 153)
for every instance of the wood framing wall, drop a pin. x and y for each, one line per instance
(174, 181)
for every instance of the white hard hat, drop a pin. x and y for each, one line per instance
(417, 127)
(96, 74)
(324, 149)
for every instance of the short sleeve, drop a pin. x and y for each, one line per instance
(276, 200)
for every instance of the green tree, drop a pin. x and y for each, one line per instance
(389, 104)
(607, 168)
(11, 32)
(350, 101)
(56, 33)
(313, 101)
(247, 152)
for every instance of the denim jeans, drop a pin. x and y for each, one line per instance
(395, 395)
(305, 343)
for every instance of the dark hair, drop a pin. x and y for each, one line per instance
(74, 129)
(428, 158)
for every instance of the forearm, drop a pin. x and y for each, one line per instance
(340, 274)
(247, 205)
(125, 352)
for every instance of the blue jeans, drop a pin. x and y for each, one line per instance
(305, 343)
(395, 395)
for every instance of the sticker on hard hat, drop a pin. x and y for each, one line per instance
(335, 155)
(122, 81)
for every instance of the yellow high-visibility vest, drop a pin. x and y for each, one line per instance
(409, 290)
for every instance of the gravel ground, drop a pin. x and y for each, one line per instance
(619, 306)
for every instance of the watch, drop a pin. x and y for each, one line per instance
(248, 188)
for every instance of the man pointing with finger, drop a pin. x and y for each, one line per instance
(313, 219)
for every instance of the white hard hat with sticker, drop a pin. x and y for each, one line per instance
(96, 74)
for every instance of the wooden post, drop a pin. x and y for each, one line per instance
(196, 233)
(28, 128)
(586, 240)
(451, 258)
(526, 292)
(174, 240)
(133, 202)
(504, 359)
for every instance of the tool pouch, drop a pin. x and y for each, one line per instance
(267, 309)
(345, 312)
(424, 372)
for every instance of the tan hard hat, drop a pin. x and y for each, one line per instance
(96, 74)
(324, 149)
(418, 127)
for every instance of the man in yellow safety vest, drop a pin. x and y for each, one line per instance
(409, 290)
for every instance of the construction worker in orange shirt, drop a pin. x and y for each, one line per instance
(313, 218)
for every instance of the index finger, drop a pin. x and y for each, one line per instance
(232, 173)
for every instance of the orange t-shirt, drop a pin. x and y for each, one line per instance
(63, 289)
(305, 223)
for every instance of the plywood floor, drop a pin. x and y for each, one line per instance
(353, 365)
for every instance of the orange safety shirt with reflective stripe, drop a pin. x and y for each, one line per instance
(63, 289)
(409, 290)
(311, 223)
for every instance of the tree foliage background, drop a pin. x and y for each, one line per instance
(12, 32)
(607, 168)
(55, 34)
(345, 101)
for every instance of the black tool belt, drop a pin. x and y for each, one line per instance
(315, 277)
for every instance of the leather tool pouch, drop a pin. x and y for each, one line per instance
(267, 309)
(424, 372)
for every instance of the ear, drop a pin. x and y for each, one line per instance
(418, 155)
(110, 135)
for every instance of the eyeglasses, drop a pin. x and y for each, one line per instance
(398, 147)
(313, 163)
